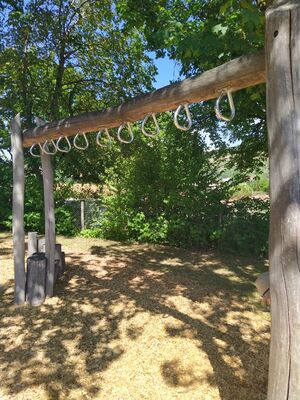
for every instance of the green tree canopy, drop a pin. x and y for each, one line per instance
(200, 35)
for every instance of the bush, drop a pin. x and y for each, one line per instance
(189, 232)
(151, 230)
(245, 229)
(91, 233)
(243, 190)
(260, 185)
(34, 221)
(65, 221)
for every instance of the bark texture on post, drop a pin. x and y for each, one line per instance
(236, 74)
(32, 243)
(18, 209)
(47, 170)
(82, 221)
(283, 115)
(36, 279)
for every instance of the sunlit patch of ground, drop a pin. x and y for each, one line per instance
(136, 322)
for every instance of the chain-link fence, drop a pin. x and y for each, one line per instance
(88, 213)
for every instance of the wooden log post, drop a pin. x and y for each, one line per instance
(41, 245)
(36, 279)
(32, 243)
(82, 215)
(50, 239)
(283, 115)
(18, 210)
(236, 74)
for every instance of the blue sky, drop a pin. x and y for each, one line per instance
(168, 71)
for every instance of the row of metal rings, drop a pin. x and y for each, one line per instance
(57, 146)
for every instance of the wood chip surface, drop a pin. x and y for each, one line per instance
(136, 322)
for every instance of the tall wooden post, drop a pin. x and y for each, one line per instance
(50, 240)
(283, 115)
(32, 243)
(82, 215)
(18, 209)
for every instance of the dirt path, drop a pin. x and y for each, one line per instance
(137, 323)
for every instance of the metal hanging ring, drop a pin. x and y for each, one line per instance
(157, 130)
(188, 115)
(65, 150)
(231, 105)
(98, 137)
(86, 145)
(45, 148)
(34, 154)
(130, 132)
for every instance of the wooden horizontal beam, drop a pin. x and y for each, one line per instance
(237, 74)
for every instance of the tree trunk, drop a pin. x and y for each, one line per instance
(54, 107)
(283, 115)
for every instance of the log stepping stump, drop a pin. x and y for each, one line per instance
(36, 279)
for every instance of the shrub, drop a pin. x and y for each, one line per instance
(151, 230)
(245, 228)
(91, 233)
(34, 221)
(65, 221)
(243, 190)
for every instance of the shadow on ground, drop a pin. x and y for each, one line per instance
(62, 349)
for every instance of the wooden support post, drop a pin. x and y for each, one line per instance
(18, 209)
(82, 222)
(36, 279)
(283, 115)
(58, 261)
(32, 243)
(41, 245)
(49, 218)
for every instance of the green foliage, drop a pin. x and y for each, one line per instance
(34, 221)
(65, 221)
(164, 191)
(91, 233)
(62, 58)
(5, 194)
(245, 228)
(58, 59)
(116, 218)
(243, 190)
(261, 184)
(153, 230)
(200, 35)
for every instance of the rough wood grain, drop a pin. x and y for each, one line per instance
(18, 210)
(32, 243)
(41, 245)
(63, 262)
(50, 239)
(59, 259)
(82, 221)
(283, 115)
(36, 279)
(237, 74)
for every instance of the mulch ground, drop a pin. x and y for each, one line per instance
(136, 322)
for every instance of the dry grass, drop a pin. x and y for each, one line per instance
(134, 323)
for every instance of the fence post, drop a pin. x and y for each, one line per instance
(283, 116)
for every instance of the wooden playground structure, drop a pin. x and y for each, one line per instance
(279, 67)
